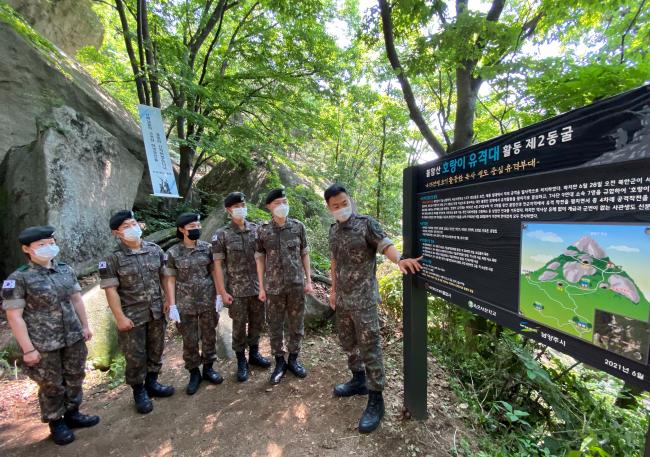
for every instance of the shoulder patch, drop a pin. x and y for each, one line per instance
(102, 265)
(9, 284)
(215, 237)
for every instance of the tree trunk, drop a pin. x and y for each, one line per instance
(131, 53)
(409, 97)
(466, 96)
(382, 151)
(148, 52)
(184, 175)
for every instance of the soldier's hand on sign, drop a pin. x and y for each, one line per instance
(407, 266)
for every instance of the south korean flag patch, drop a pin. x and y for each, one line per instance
(8, 287)
(102, 265)
(215, 237)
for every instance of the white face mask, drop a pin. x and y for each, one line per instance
(46, 253)
(132, 233)
(239, 213)
(342, 214)
(281, 211)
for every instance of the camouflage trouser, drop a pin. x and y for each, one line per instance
(199, 327)
(242, 311)
(59, 375)
(359, 335)
(143, 348)
(291, 304)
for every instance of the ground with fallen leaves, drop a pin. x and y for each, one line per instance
(297, 418)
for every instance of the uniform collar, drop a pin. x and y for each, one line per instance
(128, 251)
(38, 267)
(287, 224)
(235, 227)
(349, 221)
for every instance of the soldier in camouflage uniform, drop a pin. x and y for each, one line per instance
(354, 243)
(234, 246)
(130, 277)
(47, 316)
(283, 271)
(190, 287)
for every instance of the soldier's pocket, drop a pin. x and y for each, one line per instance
(128, 274)
(369, 326)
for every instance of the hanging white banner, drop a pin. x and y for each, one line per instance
(161, 172)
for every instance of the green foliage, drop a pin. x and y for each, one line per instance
(158, 217)
(390, 289)
(116, 371)
(526, 398)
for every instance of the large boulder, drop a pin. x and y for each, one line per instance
(69, 24)
(37, 77)
(74, 176)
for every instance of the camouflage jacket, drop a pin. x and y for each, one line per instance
(192, 267)
(44, 295)
(283, 249)
(354, 245)
(237, 248)
(136, 275)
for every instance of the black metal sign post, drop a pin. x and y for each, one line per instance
(414, 312)
(546, 231)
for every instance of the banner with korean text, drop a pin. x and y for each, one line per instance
(161, 172)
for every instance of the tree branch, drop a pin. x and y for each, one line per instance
(414, 111)
(629, 27)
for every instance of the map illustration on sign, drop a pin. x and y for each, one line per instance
(590, 281)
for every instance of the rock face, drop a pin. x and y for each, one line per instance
(72, 177)
(625, 287)
(548, 276)
(573, 271)
(103, 347)
(316, 312)
(69, 24)
(590, 246)
(553, 266)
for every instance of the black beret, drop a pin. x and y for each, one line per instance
(119, 217)
(31, 234)
(233, 198)
(275, 193)
(187, 218)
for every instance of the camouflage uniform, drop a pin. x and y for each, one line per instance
(283, 249)
(237, 248)
(55, 331)
(354, 245)
(136, 275)
(195, 299)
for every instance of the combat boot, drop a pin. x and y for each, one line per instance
(155, 389)
(280, 370)
(374, 412)
(355, 386)
(295, 367)
(242, 367)
(195, 380)
(255, 358)
(210, 375)
(60, 432)
(74, 419)
(143, 403)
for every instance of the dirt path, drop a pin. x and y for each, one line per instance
(296, 418)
